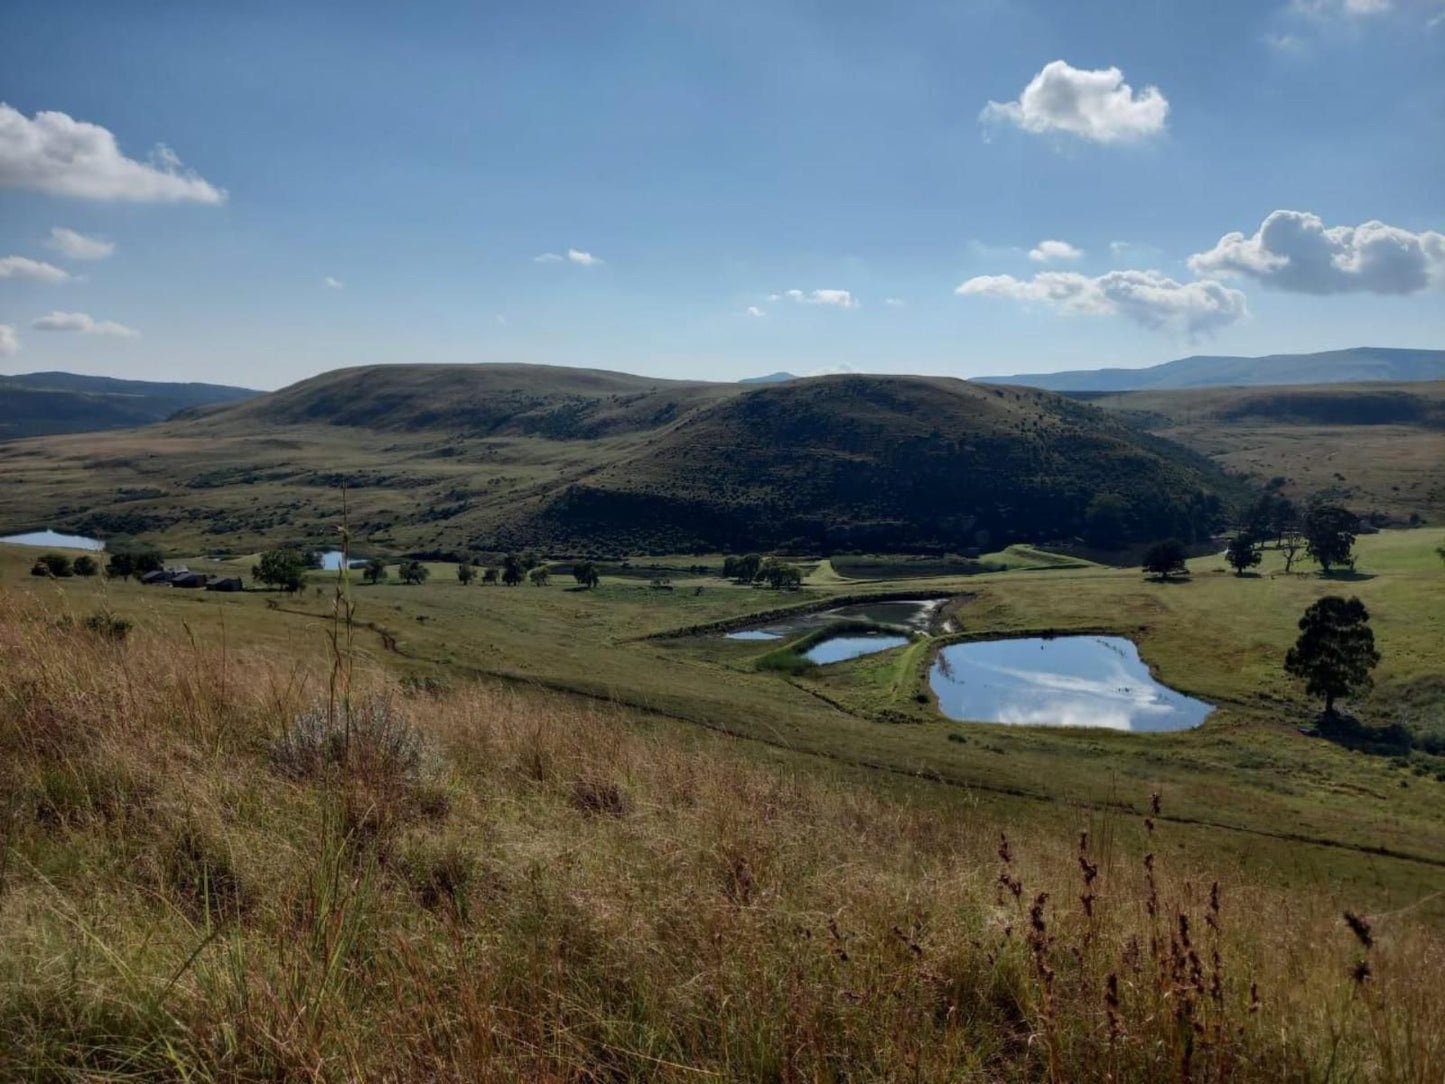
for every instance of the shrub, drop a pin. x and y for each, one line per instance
(108, 625)
(85, 565)
(377, 740)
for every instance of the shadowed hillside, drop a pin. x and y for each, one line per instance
(37, 404)
(447, 458)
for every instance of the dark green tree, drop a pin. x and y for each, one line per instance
(1165, 559)
(1243, 553)
(466, 573)
(121, 566)
(85, 565)
(539, 576)
(585, 573)
(1329, 532)
(51, 564)
(148, 560)
(375, 571)
(414, 572)
(512, 570)
(1335, 651)
(780, 575)
(1106, 521)
(284, 569)
(489, 576)
(743, 569)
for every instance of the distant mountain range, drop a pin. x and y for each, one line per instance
(771, 378)
(1356, 365)
(41, 404)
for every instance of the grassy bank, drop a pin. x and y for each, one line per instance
(200, 881)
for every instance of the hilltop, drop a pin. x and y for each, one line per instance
(1362, 363)
(442, 458)
(36, 404)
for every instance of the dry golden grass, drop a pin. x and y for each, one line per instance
(496, 884)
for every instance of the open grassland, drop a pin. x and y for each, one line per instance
(1248, 784)
(205, 874)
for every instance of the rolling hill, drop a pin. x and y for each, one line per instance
(1364, 363)
(447, 458)
(37, 404)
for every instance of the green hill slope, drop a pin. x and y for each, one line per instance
(37, 404)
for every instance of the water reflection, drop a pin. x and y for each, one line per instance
(48, 537)
(842, 648)
(1092, 681)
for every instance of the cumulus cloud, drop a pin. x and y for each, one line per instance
(84, 324)
(753, 310)
(841, 299)
(22, 267)
(1149, 298)
(1053, 251)
(62, 156)
(333, 283)
(573, 255)
(1296, 251)
(1094, 105)
(77, 245)
(9, 341)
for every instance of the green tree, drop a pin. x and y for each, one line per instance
(1329, 532)
(374, 571)
(489, 576)
(1290, 544)
(414, 572)
(1440, 551)
(85, 565)
(1243, 553)
(585, 573)
(466, 573)
(743, 569)
(539, 576)
(284, 569)
(1106, 521)
(1165, 559)
(512, 570)
(121, 566)
(780, 575)
(1335, 651)
(51, 564)
(148, 560)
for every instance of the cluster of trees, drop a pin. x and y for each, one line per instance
(1325, 532)
(755, 568)
(59, 565)
(127, 561)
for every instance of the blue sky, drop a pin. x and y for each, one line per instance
(710, 158)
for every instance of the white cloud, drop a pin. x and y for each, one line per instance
(894, 302)
(77, 245)
(9, 341)
(333, 283)
(1294, 250)
(753, 310)
(1148, 298)
(56, 154)
(574, 255)
(838, 298)
(1326, 8)
(84, 324)
(22, 267)
(1051, 251)
(1093, 105)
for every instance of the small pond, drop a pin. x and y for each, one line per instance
(1097, 681)
(54, 539)
(852, 646)
(916, 614)
(331, 560)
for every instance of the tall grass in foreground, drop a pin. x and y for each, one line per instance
(203, 878)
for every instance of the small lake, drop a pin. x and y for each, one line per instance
(331, 560)
(1088, 681)
(55, 540)
(851, 646)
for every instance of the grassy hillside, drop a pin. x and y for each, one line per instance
(38, 404)
(445, 459)
(204, 878)
(1376, 447)
(1362, 363)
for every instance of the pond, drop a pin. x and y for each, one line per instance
(1088, 681)
(331, 560)
(913, 613)
(55, 539)
(852, 646)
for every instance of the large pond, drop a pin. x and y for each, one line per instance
(1097, 681)
(851, 646)
(910, 613)
(55, 540)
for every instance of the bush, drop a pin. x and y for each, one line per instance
(379, 742)
(108, 625)
(85, 565)
(51, 564)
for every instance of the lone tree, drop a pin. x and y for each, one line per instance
(585, 573)
(1335, 651)
(284, 569)
(1165, 559)
(466, 573)
(1243, 553)
(1330, 535)
(1290, 544)
(375, 571)
(414, 572)
(489, 576)
(539, 576)
(85, 565)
